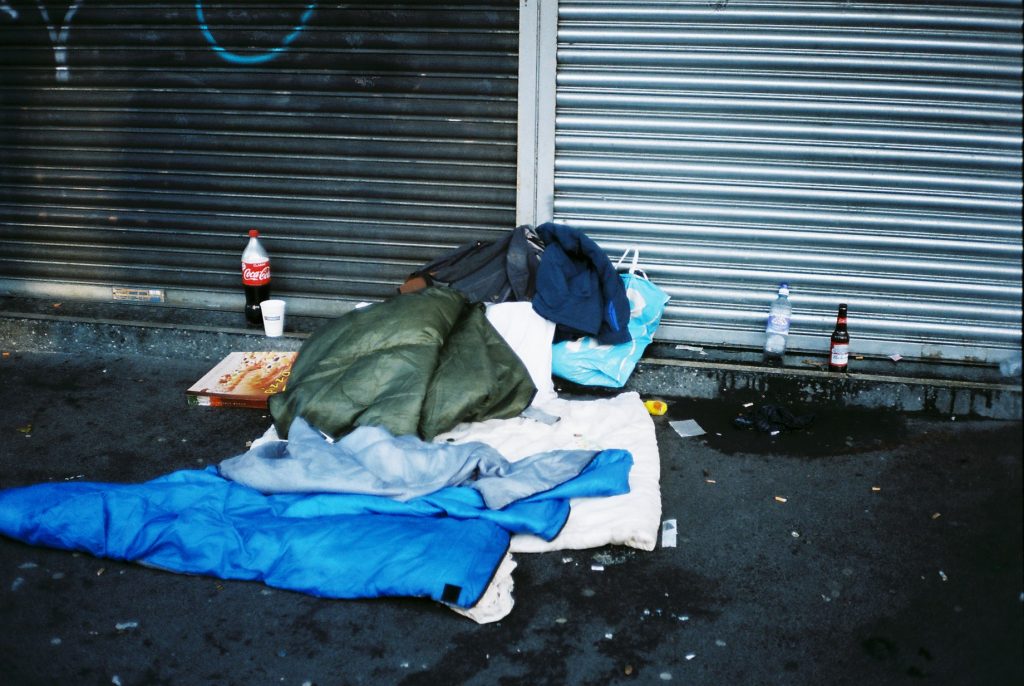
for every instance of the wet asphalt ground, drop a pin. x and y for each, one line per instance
(870, 548)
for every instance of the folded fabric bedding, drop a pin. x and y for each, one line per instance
(417, 364)
(372, 461)
(632, 518)
(199, 523)
(447, 545)
(380, 512)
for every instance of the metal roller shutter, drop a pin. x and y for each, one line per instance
(140, 141)
(867, 153)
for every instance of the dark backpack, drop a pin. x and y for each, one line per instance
(485, 271)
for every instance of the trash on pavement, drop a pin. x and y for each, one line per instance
(687, 428)
(656, 407)
(669, 532)
(895, 357)
(772, 418)
(780, 499)
(243, 379)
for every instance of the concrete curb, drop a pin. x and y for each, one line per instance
(61, 334)
(668, 378)
(691, 379)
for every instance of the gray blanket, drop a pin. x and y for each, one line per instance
(370, 461)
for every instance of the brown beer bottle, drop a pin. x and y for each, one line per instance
(839, 350)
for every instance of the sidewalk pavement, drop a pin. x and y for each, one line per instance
(876, 546)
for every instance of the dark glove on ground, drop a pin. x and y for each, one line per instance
(770, 418)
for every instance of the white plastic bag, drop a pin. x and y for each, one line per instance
(586, 362)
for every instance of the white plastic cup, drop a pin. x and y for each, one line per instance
(273, 317)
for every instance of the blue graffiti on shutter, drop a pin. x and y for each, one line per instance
(258, 58)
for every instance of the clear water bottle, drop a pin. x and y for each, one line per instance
(779, 317)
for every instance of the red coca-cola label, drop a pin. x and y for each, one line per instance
(256, 273)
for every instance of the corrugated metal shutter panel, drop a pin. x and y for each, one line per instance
(864, 153)
(140, 142)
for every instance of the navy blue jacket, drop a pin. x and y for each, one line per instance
(578, 287)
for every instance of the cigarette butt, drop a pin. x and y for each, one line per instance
(780, 499)
(936, 515)
(876, 489)
(711, 481)
(748, 404)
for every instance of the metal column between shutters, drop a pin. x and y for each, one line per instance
(140, 141)
(865, 153)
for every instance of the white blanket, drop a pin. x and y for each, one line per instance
(631, 519)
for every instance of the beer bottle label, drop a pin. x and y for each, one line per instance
(840, 355)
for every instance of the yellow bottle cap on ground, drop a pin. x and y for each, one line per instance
(655, 407)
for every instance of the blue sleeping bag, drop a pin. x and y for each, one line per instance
(445, 546)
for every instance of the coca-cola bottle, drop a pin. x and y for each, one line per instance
(255, 278)
(839, 348)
